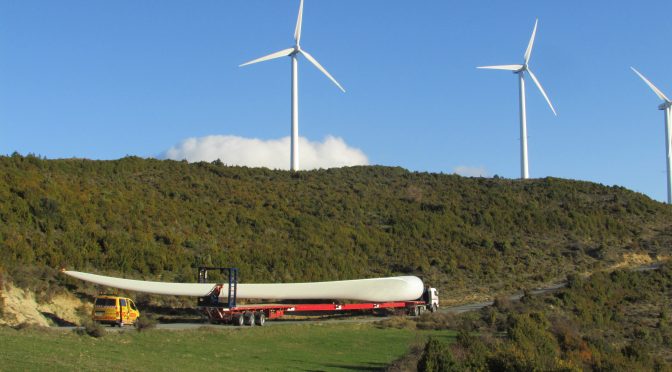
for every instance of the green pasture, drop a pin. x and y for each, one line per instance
(313, 347)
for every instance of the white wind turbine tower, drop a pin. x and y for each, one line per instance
(521, 70)
(667, 107)
(293, 53)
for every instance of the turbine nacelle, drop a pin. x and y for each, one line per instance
(524, 67)
(296, 50)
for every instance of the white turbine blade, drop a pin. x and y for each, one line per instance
(528, 52)
(319, 67)
(536, 81)
(299, 25)
(282, 53)
(653, 87)
(502, 67)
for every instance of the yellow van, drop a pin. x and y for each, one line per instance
(115, 310)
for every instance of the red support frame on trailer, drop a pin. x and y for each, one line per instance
(219, 312)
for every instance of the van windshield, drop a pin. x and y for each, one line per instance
(105, 302)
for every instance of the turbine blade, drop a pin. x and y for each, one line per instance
(282, 53)
(536, 81)
(653, 87)
(319, 67)
(299, 25)
(528, 52)
(502, 67)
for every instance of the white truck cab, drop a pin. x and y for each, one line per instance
(433, 299)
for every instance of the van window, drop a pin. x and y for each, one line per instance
(122, 302)
(105, 302)
(132, 305)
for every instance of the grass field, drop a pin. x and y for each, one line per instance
(314, 347)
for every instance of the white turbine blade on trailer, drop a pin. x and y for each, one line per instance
(400, 288)
(653, 87)
(536, 81)
(502, 67)
(160, 288)
(319, 67)
(282, 53)
(528, 52)
(299, 25)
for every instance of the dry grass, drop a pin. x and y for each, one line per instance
(397, 322)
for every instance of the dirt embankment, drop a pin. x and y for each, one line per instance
(20, 307)
(633, 260)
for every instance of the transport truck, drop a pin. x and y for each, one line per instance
(217, 311)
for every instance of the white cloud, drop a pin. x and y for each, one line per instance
(467, 171)
(333, 152)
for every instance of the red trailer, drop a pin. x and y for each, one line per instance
(230, 312)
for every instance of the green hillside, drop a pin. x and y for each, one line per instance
(159, 219)
(617, 321)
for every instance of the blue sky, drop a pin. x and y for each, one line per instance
(105, 79)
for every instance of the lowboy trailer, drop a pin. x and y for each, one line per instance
(230, 312)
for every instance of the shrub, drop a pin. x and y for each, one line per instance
(408, 362)
(91, 328)
(502, 303)
(25, 326)
(436, 357)
(145, 323)
(398, 322)
(2, 288)
(437, 321)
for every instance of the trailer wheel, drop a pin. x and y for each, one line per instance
(414, 311)
(249, 318)
(238, 320)
(260, 318)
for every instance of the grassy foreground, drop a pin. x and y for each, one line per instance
(287, 347)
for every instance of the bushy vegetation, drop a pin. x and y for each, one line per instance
(614, 321)
(145, 323)
(154, 219)
(436, 357)
(91, 328)
(2, 288)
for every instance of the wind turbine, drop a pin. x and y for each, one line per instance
(667, 107)
(521, 70)
(293, 53)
